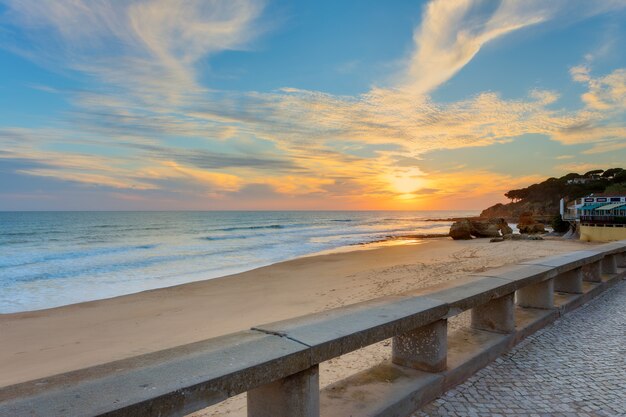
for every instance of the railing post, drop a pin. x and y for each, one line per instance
(540, 295)
(498, 315)
(609, 264)
(297, 395)
(570, 281)
(593, 272)
(425, 348)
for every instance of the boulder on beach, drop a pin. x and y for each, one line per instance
(528, 225)
(485, 228)
(493, 227)
(505, 229)
(461, 230)
(466, 228)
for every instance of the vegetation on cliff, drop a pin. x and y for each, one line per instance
(542, 199)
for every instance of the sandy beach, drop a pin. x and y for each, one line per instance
(46, 342)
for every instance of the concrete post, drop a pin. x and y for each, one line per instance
(297, 395)
(621, 260)
(425, 348)
(609, 264)
(570, 281)
(540, 295)
(498, 315)
(593, 272)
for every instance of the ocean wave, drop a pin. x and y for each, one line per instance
(93, 270)
(123, 228)
(113, 268)
(434, 225)
(232, 229)
(13, 262)
(229, 237)
(31, 233)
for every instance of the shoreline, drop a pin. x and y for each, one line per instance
(364, 245)
(46, 342)
(389, 241)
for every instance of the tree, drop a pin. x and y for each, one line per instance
(616, 189)
(517, 195)
(610, 173)
(620, 177)
(594, 172)
(549, 192)
(570, 176)
(559, 225)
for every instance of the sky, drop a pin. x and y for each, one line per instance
(304, 105)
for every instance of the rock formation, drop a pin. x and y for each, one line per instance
(485, 228)
(466, 228)
(461, 230)
(528, 224)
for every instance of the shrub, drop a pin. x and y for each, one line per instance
(559, 225)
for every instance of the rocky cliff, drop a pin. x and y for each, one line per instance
(541, 211)
(541, 200)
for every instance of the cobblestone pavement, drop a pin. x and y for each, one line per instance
(576, 367)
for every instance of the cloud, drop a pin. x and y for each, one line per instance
(451, 35)
(608, 92)
(601, 121)
(454, 31)
(580, 73)
(580, 167)
(605, 147)
(139, 52)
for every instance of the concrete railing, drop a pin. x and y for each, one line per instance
(277, 363)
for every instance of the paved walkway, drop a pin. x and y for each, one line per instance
(576, 367)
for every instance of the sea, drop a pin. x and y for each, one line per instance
(50, 259)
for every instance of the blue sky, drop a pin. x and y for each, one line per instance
(304, 105)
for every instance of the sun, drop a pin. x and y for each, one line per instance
(407, 182)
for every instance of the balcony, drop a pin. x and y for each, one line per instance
(604, 220)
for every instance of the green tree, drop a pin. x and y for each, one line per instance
(594, 172)
(620, 177)
(616, 189)
(559, 225)
(611, 172)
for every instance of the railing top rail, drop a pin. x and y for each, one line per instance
(612, 248)
(468, 292)
(567, 262)
(171, 382)
(177, 381)
(338, 331)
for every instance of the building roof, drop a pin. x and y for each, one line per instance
(611, 206)
(592, 206)
(620, 194)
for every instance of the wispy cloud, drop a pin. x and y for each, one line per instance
(452, 33)
(141, 53)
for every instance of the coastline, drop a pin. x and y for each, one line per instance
(46, 342)
(91, 256)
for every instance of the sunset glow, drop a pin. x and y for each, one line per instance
(254, 105)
